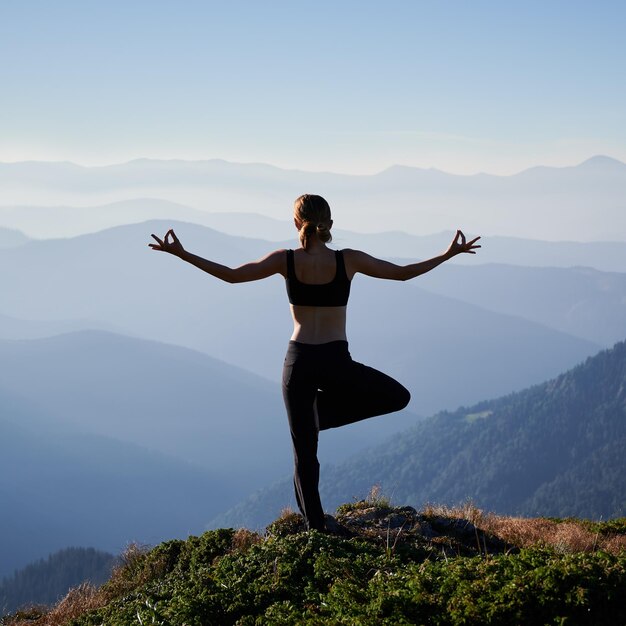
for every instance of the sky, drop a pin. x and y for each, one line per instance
(343, 86)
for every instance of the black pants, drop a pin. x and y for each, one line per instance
(324, 388)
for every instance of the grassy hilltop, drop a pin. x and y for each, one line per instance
(384, 565)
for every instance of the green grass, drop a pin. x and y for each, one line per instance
(294, 577)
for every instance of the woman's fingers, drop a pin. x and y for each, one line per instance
(460, 243)
(159, 245)
(162, 244)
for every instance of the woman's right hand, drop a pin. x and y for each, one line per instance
(460, 245)
(165, 245)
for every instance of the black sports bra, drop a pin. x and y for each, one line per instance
(334, 293)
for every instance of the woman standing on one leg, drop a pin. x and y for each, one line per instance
(322, 386)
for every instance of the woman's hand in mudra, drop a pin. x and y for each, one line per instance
(165, 245)
(459, 245)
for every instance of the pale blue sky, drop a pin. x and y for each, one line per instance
(351, 86)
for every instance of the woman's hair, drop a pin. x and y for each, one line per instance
(313, 213)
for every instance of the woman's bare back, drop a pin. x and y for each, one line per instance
(317, 324)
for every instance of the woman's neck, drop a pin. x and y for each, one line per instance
(315, 246)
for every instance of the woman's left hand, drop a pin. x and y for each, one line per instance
(459, 245)
(165, 245)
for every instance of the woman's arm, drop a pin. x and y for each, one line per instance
(273, 263)
(371, 266)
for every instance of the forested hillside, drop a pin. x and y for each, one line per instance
(47, 580)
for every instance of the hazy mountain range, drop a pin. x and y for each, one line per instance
(555, 449)
(113, 278)
(581, 203)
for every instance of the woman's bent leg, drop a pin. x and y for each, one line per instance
(356, 392)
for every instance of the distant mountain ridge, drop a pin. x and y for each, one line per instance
(33, 170)
(556, 449)
(581, 203)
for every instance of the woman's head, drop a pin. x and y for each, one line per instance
(312, 217)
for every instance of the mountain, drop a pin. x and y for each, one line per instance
(61, 487)
(555, 449)
(581, 203)
(112, 277)
(46, 581)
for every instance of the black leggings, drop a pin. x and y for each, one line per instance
(324, 388)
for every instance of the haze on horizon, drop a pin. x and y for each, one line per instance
(351, 87)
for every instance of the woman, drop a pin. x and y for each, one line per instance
(322, 386)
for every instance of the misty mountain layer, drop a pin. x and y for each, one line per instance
(581, 203)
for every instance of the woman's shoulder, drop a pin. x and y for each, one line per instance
(350, 253)
(352, 261)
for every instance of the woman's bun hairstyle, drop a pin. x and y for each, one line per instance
(313, 213)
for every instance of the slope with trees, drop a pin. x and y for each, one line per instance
(47, 580)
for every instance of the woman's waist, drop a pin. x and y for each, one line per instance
(340, 343)
(313, 325)
(317, 337)
(324, 352)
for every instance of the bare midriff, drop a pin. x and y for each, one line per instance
(318, 324)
